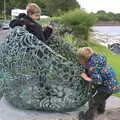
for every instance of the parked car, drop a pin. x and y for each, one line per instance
(5, 24)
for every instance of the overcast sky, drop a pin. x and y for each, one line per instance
(95, 5)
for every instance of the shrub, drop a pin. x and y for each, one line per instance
(80, 21)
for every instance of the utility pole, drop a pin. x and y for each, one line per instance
(4, 9)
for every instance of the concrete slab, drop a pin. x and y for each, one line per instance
(112, 103)
(8, 112)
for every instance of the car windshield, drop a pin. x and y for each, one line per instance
(6, 22)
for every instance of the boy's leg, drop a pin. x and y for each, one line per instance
(101, 107)
(89, 115)
(101, 98)
(96, 105)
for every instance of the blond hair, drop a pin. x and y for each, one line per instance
(84, 50)
(33, 8)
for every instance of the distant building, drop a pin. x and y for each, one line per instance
(16, 12)
(43, 16)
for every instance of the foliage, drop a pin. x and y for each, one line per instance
(80, 21)
(12, 4)
(55, 7)
(117, 17)
(1, 16)
(103, 16)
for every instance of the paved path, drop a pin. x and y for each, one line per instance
(113, 102)
(3, 34)
(110, 115)
(8, 112)
(112, 110)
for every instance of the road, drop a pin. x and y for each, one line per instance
(3, 34)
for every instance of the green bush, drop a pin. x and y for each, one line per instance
(80, 21)
(7, 17)
(1, 17)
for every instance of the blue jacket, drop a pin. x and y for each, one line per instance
(103, 75)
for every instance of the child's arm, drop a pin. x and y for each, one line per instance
(95, 75)
(85, 77)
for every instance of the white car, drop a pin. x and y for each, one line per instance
(5, 24)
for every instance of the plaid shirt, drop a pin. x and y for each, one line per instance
(103, 75)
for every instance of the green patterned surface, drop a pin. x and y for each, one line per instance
(40, 76)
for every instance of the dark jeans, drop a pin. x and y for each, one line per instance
(97, 104)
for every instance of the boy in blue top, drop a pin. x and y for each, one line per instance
(102, 76)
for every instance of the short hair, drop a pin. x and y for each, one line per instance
(32, 8)
(84, 50)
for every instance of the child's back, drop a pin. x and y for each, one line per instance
(101, 73)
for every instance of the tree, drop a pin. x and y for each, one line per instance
(12, 4)
(1, 7)
(80, 22)
(101, 12)
(103, 16)
(57, 7)
(117, 17)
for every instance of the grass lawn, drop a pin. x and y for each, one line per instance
(112, 59)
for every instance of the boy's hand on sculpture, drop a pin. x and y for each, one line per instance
(85, 77)
(88, 79)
